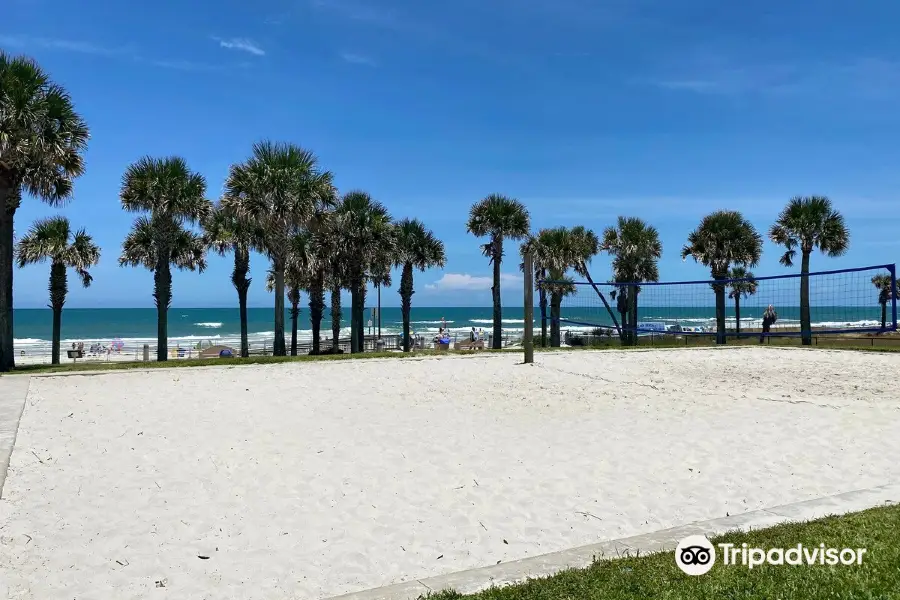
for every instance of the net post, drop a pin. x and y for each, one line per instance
(893, 294)
(528, 341)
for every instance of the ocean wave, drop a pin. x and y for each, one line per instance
(423, 322)
(209, 325)
(491, 321)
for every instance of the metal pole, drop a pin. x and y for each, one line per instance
(528, 342)
(893, 295)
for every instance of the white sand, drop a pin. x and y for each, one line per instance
(314, 479)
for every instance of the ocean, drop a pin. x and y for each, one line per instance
(190, 326)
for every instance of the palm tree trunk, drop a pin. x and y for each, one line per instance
(7, 209)
(317, 309)
(58, 290)
(162, 294)
(242, 309)
(295, 315)
(883, 314)
(406, 293)
(633, 296)
(720, 308)
(355, 322)
(622, 307)
(543, 302)
(605, 303)
(542, 295)
(555, 309)
(335, 318)
(242, 285)
(278, 346)
(495, 292)
(361, 316)
(805, 327)
(737, 315)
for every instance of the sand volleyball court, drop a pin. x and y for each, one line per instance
(316, 479)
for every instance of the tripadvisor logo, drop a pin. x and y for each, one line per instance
(695, 555)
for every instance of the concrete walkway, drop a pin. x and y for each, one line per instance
(13, 390)
(476, 580)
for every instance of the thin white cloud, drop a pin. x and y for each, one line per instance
(24, 42)
(357, 59)
(870, 78)
(242, 44)
(464, 281)
(184, 65)
(28, 43)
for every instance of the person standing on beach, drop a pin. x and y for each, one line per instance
(769, 318)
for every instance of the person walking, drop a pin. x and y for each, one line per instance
(769, 318)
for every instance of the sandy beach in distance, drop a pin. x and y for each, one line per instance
(314, 479)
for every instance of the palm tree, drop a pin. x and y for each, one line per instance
(54, 239)
(279, 188)
(743, 284)
(499, 218)
(723, 238)
(367, 235)
(554, 251)
(417, 248)
(172, 196)
(635, 248)
(224, 232)
(807, 224)
(42, 139)
(883, 284)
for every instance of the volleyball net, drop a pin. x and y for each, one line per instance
(843, 301)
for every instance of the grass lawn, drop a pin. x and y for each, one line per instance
(657, 576)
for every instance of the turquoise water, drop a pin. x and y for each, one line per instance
(33, 326)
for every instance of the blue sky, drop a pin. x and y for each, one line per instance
(584, 110)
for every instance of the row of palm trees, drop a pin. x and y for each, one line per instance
(724, 241)
(351, 241)
(280, 203)
(277, 203)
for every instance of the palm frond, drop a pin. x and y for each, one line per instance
(53, 239)
(139, 248)
(279, 188)
(499, 216)
(722, 239)
(418, 246)
(42, 137)
(165, 187)
(808, 223)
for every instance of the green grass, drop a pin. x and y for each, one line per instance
(657, 577)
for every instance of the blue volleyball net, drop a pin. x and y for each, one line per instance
(860, 300)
